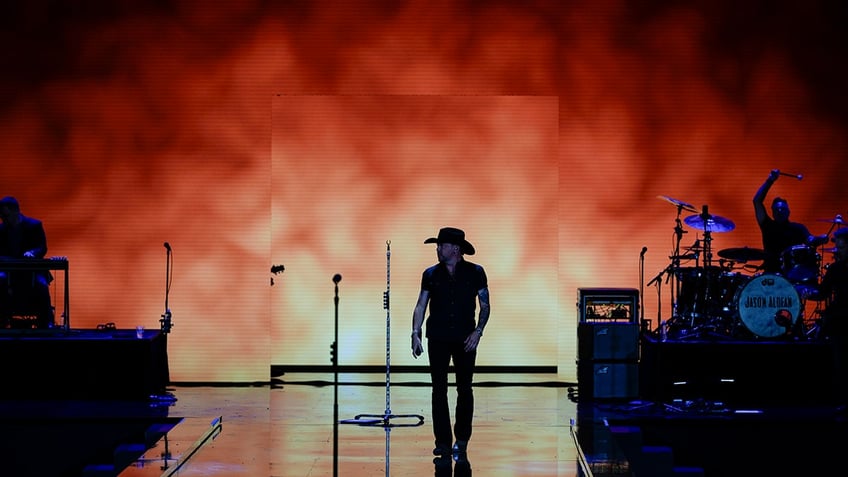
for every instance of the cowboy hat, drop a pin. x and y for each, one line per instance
(454, 236)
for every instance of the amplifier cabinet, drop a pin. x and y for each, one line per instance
(619, 305)
(607, 380)
(607, 341)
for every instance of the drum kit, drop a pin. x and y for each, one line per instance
(732, 297)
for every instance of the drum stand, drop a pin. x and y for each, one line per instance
(696, 319)
(703, 291)
(671, 272)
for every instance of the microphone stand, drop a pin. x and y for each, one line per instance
(642, 284)
(165, 321)
(384, 420)
(165, 327)
(661, 324)
(334, 358)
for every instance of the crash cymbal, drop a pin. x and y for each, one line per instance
(743, 254)
(679, 203)
(714, 223)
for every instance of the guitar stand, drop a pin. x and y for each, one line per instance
(385, 419)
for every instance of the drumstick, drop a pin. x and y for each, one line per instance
(797, 176)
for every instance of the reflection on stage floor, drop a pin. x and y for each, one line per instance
(525, 424)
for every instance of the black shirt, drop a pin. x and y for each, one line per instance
(27, 236)
(777, 238)
(453, 299)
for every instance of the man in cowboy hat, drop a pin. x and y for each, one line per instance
(452, 288)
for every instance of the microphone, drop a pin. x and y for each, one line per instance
(797, 176)
(337, 278)
(167, 246)
(642, 253)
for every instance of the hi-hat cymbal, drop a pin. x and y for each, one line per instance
(742, 254)
(714, 223)
(679, 203)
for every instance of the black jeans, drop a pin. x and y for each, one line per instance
(440, 354)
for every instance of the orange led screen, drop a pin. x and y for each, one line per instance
(260, 134)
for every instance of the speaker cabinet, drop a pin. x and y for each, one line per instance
(607, 341)
(607, 380)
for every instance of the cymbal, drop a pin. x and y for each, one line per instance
(714, 223)
(679, 203)
(742, 254)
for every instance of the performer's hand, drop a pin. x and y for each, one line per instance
(774, 174)
(417, 347)
(816, 240)
(472, 341)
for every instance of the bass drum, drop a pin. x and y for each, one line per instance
(768, 305)
(707, 292)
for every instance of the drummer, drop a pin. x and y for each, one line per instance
(778, 232)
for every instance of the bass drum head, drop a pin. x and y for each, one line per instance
(768, 305)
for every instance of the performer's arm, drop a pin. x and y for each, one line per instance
(472, 340)
(418, 322)
(760, 196)
(485, 310)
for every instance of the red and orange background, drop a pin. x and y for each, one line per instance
(258, 134)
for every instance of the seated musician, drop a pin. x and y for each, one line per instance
(778, 232)
(23, 293)
(834, 288)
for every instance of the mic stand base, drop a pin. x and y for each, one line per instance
(385, 420)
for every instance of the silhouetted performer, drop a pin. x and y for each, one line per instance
(452, 288)
(778, 232)
(834, 289)
(24, 293)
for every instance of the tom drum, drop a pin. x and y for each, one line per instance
(800, 264)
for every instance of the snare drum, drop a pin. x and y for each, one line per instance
(768, 305)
